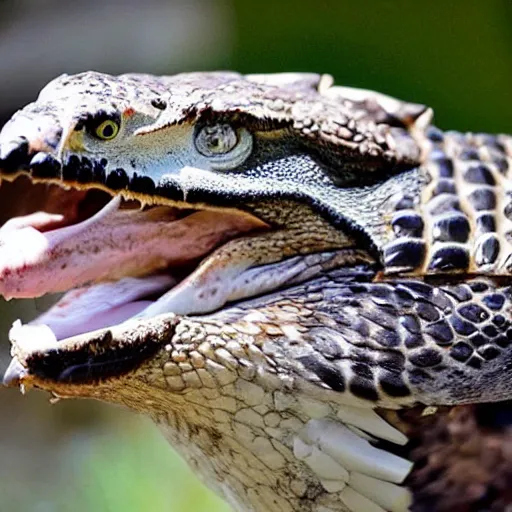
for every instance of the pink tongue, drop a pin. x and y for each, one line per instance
(101, 305)
(112, 244)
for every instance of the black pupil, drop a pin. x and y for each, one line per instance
(108, 130)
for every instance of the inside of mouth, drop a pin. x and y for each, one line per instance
(111, 257)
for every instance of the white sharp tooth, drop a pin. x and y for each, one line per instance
(321, 463)
(369, 421)
(353, 452)
(392, 497)
(333, 485)
(357, 502)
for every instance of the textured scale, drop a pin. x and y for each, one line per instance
(461, 223)
(385, 279)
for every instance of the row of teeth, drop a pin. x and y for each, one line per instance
(14, 156)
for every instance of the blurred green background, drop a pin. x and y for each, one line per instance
(455, 56)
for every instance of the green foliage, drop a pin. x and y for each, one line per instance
(453, 56)
(131, 470)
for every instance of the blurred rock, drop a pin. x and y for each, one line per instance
(40, 39)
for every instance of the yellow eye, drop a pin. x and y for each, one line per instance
(107, 130)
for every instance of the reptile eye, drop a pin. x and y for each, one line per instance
(107, 130)
(216, 140)
(224, 146)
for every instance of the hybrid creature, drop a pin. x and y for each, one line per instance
(280, 272)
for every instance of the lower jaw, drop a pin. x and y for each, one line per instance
(65, 366)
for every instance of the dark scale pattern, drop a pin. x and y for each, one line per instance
(407, 223)
(411, 323)
(462, 326)
(434, 134)
(490, 331)
(440, 332)
(362, 370)
(508, 209)
(328, 373)
(452, 226)
(469, 153)
(489, 352)
(459, 206)
(405, 203)
(363, 388)
(485, 223)
(460, 292)
(448, 258)
(499, 320)
(487, 249)
(483, 199)
(414, 325)
(494, 301)
(117, 179)
(461, 351)
(444, 203)
(475, 362)
(445, 167)
(414, 340)
(474, 313)
(477, 339)
(427, 311)
(479, 174)
(408, 254)
(426, 357)
(502, 341)
(393, 384)
(444, 186)
(478, 286)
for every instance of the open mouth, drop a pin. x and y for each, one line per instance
(126, 265)
(114, 257)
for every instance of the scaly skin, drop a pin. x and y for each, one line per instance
(384, 276)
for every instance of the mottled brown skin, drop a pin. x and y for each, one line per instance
(462, 455)
(401, 236)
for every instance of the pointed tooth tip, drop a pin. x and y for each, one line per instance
(14, 374)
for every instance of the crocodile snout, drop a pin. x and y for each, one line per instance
(29, 139)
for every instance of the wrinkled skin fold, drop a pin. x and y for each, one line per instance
(265, 265)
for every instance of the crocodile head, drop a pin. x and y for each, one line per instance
(256, 257)
(147, 195)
